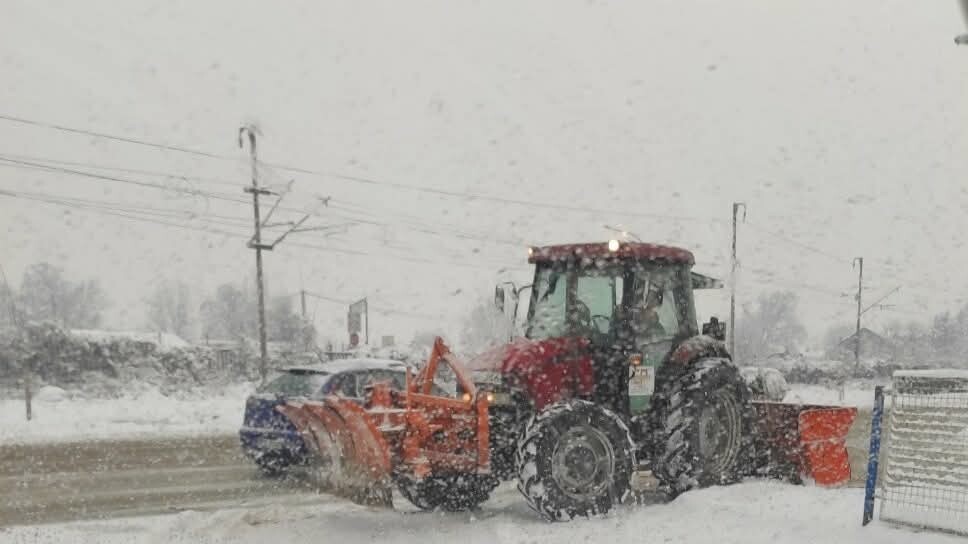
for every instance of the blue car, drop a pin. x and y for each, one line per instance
(269, 438)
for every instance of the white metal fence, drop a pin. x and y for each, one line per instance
(925, 451)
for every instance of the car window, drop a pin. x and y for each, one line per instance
(397, 379)
(295, 384)
(345, 385)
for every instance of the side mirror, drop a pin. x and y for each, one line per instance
(715, 328)
(499, 298)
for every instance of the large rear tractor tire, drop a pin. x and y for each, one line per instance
(703, 432)
(575, 459)
(451, 493)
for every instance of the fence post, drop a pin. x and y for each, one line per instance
(873, 456)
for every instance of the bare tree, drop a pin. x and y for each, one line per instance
(46, 296)
(169, 308)
(769, 327)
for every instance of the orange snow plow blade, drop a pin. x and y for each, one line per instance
(801, 442)
(409, 433)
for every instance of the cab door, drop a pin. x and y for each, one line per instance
(657, 323)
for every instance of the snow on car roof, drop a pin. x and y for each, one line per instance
(346, 365)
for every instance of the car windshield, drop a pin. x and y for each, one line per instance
(296, 384)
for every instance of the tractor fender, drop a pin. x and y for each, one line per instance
(696, 348)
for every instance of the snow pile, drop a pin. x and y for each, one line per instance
(143, 410)
(751, 513)
(49, 393)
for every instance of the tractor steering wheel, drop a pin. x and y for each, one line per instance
(585, 321)
(608, 322)
(583, 316)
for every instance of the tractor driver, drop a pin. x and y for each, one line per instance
(648, 324)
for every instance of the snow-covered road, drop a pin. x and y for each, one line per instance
(751, 513)
(57, 482)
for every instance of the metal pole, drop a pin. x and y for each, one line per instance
(860, 290)
(302, 297)
(366, 314)
(732, 294)
(257, 244)
(873, 455)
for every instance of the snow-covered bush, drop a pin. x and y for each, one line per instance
(107, 366)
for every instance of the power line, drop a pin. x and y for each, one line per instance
(477, 196)
(127, 170)
(106, 136)
(365, 180)
(14, 163)
(326, 249)
(801, 245)
(116, 213)
(131, 208)
(17, 163)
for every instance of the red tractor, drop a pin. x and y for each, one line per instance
(612, 376)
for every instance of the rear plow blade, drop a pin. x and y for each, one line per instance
(349, 455)
(803, 442)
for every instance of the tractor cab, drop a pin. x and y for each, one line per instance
(632, 302)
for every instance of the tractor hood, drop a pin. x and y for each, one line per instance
(524, 355)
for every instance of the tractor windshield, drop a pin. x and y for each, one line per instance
(575, 300)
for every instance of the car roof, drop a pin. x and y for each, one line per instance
(348, 365)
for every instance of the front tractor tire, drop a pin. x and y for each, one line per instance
(575, 459)
(703, 432)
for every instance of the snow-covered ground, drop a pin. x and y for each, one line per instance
(767, 512)
(57, 416)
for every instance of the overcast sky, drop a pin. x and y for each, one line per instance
(841, 125)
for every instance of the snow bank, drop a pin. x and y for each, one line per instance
(751, 513)
(58, 416)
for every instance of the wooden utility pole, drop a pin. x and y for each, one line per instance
(732, 294)
(256, 243)
(858, 263)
